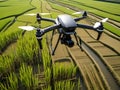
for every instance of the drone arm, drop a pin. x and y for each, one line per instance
(48, 19)
(45, 30)
(85, 26)
(80, 18)
(99, 29)
(40, 33)
(83, 16)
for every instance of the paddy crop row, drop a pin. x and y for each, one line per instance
(74, 5)
(93, 80)
(95, 9)
(4, 23)
(7, 38)
(90, 70)
(11, 8)
(20, 63)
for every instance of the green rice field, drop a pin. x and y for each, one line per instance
(23, 65)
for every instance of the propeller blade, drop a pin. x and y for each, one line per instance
(104, 20)
(33, 14)
(97, 24)
(45, 13)
(77, 13)
(27, 28)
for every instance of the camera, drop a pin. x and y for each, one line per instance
(66, 39)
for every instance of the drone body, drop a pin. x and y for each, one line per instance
(66, 27)
(66, 21)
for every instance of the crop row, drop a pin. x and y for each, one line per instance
(92, 79)
(8, 37)
(110, 8)
(95, 11)
(4, 22)
(108, 26)
(14, 7)
(22, 60)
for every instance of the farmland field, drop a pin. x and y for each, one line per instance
(24, 66)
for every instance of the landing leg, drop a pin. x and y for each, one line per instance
(79, 43)
(53, 50)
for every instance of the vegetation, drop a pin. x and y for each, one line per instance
(5, 22)
(11, 8)
(112, 29)
(23, 67)
(99, 8)
(28, 80)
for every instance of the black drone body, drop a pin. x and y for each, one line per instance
(66, 26)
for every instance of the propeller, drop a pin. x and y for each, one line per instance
(84, 13)
(38, 33)
(78, 13)
(97, 24)
(99, 27)
(27, 28)
(33, 14)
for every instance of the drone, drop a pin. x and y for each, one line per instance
(66, 26)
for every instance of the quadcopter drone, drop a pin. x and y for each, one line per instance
(66, 27)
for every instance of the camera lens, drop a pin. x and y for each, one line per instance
(70, 43)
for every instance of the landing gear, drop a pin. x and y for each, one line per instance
(65, 39)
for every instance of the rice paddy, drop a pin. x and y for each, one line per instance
(24, 66)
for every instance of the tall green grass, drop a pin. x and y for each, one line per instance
(112, 29)
(27, 49)
(6, 64)
(61, 72)
(12, 83)
(8, 37)
(29, 81)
